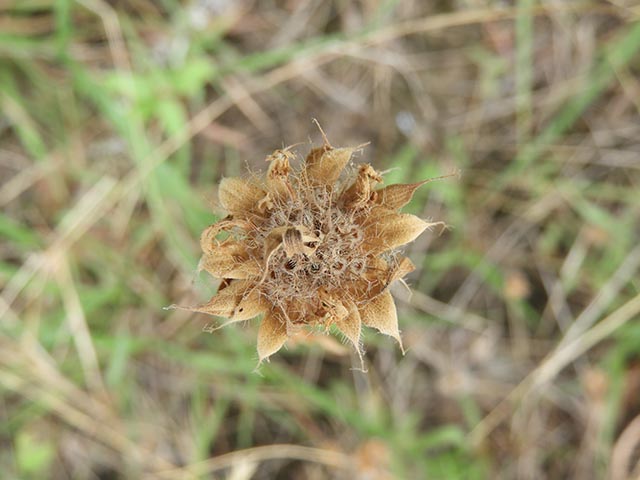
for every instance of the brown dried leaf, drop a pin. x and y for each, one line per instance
(278, 175)
(208, 237)
(379, 276)
(326, 168)
(208, 241)
(332, 309)
(380, 313)
(404, 267)
(394, 197)
(225, 302)
(251, 305)
(272, 335)
(238, 301)
(358, 194)
(230, 259)
(386, 230)
(351, 324)
(372, 282)
(316, 153)
(239, 196)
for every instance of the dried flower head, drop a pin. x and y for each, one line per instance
(316, 246)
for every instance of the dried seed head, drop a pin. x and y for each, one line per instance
(310, 247)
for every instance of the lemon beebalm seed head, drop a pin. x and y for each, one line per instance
(310, 246)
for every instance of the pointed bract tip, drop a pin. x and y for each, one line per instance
(324, 135)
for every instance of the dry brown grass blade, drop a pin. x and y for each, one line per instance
(79, 330)
(25, 179)
(551, 366)
(457, 316)
(329, 458)
(41, 382)
(624, 453)
(607, 294)
(475, 16)
(111, 22)
(85, 213)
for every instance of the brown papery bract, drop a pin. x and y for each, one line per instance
(314, 247)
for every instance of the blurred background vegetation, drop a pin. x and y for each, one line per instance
(119, 117)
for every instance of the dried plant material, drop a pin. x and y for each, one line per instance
(394, 197)
(404, 267)
(380, 313)
(310, 247)
(251, 305)
(387, 230)
(358, 195)
(325, 169)
(397, 196)
(350, 326)
(225, 302)
(231, 260)
(271, 336)
(277, 176)
(239, 196)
